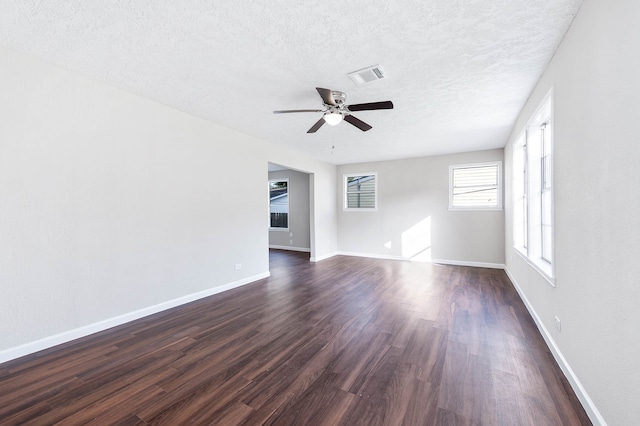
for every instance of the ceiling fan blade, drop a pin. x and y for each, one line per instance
(356, 122)
(371, 106)
(287, 111)
(327, 96)
(316, 126)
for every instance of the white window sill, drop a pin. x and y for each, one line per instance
(358, 209)
(473, 209)
(542, 267)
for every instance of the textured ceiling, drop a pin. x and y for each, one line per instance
(459, 70)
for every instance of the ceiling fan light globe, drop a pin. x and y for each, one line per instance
(333, 118)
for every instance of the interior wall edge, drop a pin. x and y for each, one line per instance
(323, 257)
(574, 381)
(77, 333)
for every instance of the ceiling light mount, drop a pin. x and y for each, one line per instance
(340, 98)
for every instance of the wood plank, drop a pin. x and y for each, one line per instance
(345, 341)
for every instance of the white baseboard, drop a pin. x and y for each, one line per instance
(442, 261)
(591, 409)
(323, 257)
(473, 264)
(306, 250)
(371, 255)
(67, 336)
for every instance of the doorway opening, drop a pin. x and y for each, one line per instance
(290, 213)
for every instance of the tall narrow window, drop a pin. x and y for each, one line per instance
(475, 186)
(545, 194)
(520, 184)
(533, 190)
(360, 192)
(279, 204)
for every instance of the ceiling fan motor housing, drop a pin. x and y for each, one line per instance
(339, 97)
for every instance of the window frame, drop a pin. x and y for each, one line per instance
(345, 206)
(499, 185)
(271, 228)
(536, 145)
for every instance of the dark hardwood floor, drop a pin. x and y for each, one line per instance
(346, 341)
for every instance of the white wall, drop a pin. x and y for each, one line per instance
(113, 206)
(597, 199)
(299, 213)
(413, 220)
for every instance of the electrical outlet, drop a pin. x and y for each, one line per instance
(291, 234)
(558, 325)
(290, 241)
(238, 266)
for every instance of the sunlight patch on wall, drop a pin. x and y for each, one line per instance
(416, 241)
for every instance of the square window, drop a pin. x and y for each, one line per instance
(360, 191)
(475, 186)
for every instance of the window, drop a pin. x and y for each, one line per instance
(360, 192)
(520, 185)
(475, 186)
(545, 193)
(279, 204)
(533, 190)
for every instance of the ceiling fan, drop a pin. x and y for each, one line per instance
(335, 110)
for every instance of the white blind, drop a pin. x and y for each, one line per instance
(361, 192)
(475, 186)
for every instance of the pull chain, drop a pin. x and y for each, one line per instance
(333, 143)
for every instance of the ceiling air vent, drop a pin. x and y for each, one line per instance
(368, 75)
